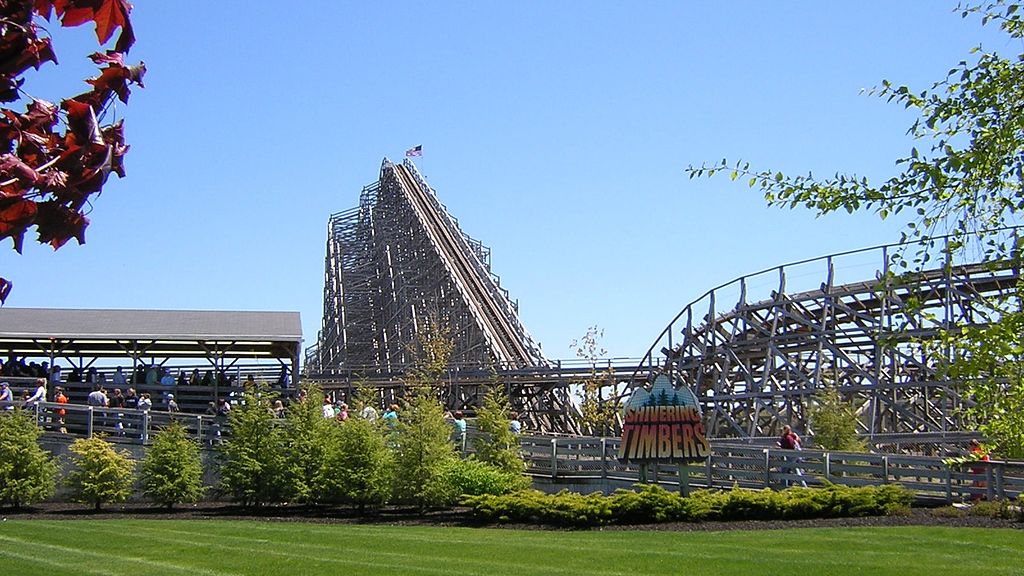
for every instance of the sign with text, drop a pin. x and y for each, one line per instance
(663, 425)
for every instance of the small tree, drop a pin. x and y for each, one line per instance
(988, 368)
(358, 467)
(834, 422)
(102, 473)
(423, 451)
(172, 471)
(423, 446)
(497, 444)
(306, 438)
(252, 468)
(596, 415)
(27, 472)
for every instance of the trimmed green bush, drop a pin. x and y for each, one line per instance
(649, 503)
(562, 509)
(654, 504)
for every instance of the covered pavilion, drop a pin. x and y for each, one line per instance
(218, 339)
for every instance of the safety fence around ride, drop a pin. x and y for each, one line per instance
(594, 461)
(124, 425)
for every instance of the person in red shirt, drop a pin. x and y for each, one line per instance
(790, 441)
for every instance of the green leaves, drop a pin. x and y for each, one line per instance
(172, 472)
(27, 472)
(969, 183)
(102, 473)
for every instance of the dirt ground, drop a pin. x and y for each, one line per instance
(462, 517)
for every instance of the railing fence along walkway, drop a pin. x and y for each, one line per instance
(593, 461)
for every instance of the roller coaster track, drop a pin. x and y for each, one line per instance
(755, 365)
(491, 312)
(400, 262)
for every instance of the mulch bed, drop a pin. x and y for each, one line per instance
(462, 517)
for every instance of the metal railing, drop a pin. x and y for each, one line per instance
(123, 425)
(593, 460)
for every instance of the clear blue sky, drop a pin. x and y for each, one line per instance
(556, 132)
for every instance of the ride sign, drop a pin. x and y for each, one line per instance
(664, 425)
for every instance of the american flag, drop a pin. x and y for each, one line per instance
(414, 151)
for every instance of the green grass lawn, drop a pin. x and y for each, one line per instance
(214, 547)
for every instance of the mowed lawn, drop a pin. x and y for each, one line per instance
(215, 547)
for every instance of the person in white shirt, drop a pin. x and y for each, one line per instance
(369, 413)
(39, 395)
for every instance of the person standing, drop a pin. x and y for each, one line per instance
(390, 416)
(97, 398)
(341, 412)
(459, 424)
(368, 413)
(979, 454)
(60, 398)
(118, 379)
(328, 408)
(514, 425)
(789, 440)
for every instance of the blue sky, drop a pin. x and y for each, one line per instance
(556, 132)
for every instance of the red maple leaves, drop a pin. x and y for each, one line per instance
(47, 175)
(108, 15)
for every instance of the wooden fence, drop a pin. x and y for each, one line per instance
(593, 461)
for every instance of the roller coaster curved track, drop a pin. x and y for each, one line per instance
(754, 365)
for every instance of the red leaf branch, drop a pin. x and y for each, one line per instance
(49, 171)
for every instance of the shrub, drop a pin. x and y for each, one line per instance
(358, 467)
(651, 503)
(496, 443)
(835, 422)
(474, 477)
(252, 468)
(424, 450)
(102, 473)
(995, 509)
(307, 437)
(561, 509)
(948, 512)
(172, 471)
(27, 472)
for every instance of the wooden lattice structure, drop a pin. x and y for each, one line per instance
(398, 264)
(755, 363)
